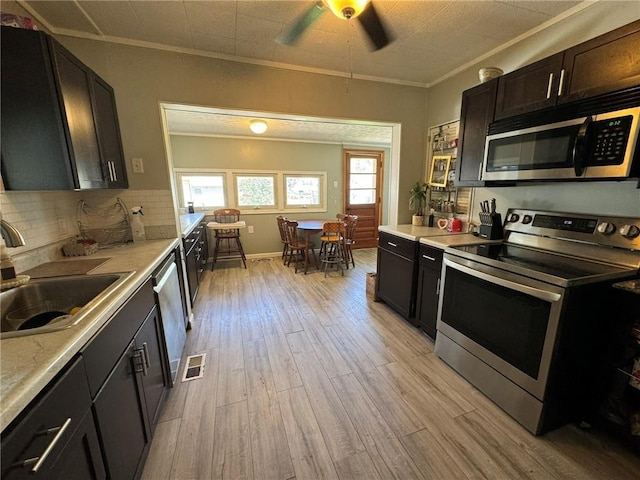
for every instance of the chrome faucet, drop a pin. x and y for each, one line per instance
(12, 237)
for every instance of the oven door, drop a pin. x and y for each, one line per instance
(508, 321)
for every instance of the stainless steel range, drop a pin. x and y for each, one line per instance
(522, 320)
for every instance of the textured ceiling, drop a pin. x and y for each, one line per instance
(203, 121)
(432, 37)
(433, 40)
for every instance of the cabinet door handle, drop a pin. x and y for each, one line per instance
(438, 288)
(428, 257)
(549, 86)
(110, 171)
(561, 83)
(480, 171)
(145, 351)
(139, 365)
(38, 461)
(392, 244)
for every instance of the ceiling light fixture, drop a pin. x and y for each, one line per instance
(258, 126)
(346, 8)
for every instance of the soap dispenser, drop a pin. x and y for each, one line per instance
(137, 227)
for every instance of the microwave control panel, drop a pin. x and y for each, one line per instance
(610, 139)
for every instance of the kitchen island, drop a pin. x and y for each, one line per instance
(30, 362)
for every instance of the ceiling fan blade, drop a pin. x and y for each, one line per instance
(372, 24)
(304, 22)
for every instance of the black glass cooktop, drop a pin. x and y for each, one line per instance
(546, 266)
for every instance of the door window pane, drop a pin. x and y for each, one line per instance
(302, 190)
(256, 190)
(203, 190)
(363, 165)
(362, 181)
(360, 197)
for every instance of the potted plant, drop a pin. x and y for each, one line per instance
(417, 201)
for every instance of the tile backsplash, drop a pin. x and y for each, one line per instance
(47, 219)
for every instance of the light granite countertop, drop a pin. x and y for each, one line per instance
(411, 232)
(189, 221)
(30, 362)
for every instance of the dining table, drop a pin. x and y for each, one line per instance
(310, 228)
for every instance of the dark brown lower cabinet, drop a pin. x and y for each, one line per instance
(430, 264)
(127, 405)
(55, 438)
(396, 279)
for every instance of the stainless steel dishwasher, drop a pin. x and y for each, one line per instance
(167, 288)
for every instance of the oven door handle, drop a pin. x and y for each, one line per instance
(534, 292)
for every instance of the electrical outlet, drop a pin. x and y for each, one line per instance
(250, 228)
(137, 165)
(335, 184)
(63, 226)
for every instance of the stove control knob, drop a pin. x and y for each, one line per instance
(527, 219)
(606, 228)
(630, 231)
(514, 217)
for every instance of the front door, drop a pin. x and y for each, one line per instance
(363, 193)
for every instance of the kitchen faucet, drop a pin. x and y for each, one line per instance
(12, 237)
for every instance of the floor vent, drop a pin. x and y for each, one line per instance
(194, 368)
(263, 259)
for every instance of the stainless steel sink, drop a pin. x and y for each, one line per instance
(56, 303)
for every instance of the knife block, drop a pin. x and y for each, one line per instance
(491, 226)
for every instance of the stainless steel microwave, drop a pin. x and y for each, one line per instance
(596, 146)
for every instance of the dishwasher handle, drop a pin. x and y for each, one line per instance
(164, 277)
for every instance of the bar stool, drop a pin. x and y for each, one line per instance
(332, 250)
(228, 239)
(350, 236)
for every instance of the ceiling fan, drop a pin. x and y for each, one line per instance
(363, 10)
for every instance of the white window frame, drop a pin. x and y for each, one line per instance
(183, 172)
(254, 208)
(321, 176)
(230, 189)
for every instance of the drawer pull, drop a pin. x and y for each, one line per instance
(428, 257)
(392, 244)
(38, 461)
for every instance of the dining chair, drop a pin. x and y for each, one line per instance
(228, 239)
(349, 238)
(332, 250)
(298, 247)
(282, 228)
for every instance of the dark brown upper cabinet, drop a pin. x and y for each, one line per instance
(605, 64)
(478, 104)
(60, 126)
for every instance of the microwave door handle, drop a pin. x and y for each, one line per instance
(579, 156)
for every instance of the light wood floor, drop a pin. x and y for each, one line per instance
(306, 379)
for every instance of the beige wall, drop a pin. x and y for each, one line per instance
(231, 153)
(142, 78)
(614, 198)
